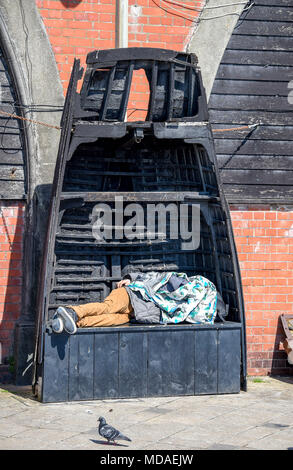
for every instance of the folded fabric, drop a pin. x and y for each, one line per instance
(194, 300)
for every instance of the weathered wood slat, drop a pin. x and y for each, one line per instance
(270, 13)
(260, 43)
(251, 117)
(257, 192)
(282, 58)
(228, 362)
(275, 3)
(6, 93)
(10, 140)
(265, 28)
(12, 190)
(9, 123)
(255, 72)
(253, 103)
(260, 177)
(251, 87)
(11, 172)
(259, 162)
(13, 158)
(258, 133)
(4, 80)
(254, 147)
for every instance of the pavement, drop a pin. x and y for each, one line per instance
(261, 418)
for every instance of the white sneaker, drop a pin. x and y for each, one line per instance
(68, 317)
(57, 325)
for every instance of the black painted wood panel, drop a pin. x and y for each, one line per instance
(55, 378)
(106, 354)
(133, 365)
(259, 162)
(141, 361)
(228, 362)
(206, 362)
(12, 149)
(259, 43)
(252, 86)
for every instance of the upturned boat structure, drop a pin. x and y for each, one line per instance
(106, 161)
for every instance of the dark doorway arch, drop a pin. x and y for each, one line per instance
(13, 157)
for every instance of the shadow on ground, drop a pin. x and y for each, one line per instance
(21, 392)
(108, 443)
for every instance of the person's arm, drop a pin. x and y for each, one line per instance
(123, 282)
(128, 278)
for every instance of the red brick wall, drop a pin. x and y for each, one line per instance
(11, 239)
(264, 240)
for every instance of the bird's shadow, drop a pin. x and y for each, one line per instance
(108, 443)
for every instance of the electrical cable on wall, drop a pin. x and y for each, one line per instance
(206, 7)
(15, 116)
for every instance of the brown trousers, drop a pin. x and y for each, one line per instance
(116, 309)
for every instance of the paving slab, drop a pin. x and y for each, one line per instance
(259, 419)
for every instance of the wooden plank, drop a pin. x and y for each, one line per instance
(229, 361)
(9, 124)
(182, 363)
(205, 362)
(260, 43)
(133, 196)
(265, 28)
(251, 117)
(73, 380)
(6, 93)
(252, 162)
(250, 87)
(253, 147)
(277, 3)
(11, 172)
(159, 363)
(12, 158)
(86, 366)
(55, 368)
(10, 140)
(12, 190)
(257, 58)
(4, 80)
(258, 133)
(257, 177)
(250, 103)
(170, 367)
(255, 72)
(106, 377)
(133, 364)
(257, 192)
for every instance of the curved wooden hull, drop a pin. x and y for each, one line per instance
(168, 161)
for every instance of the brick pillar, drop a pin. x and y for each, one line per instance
(11, 271)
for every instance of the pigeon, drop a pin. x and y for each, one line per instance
(110, 433)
